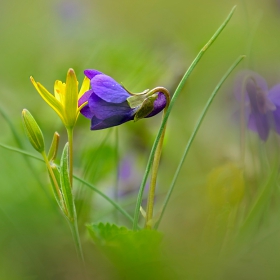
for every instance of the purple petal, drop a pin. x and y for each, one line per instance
(103, 110)
(276, 120)
(97, 124)
(259, 123)
(274, 95)
(84, 98)
(87, 112)
(159, 105)
(108, 89)
(91, 73)
(240, 84)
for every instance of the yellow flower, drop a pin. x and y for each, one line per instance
(65, 98)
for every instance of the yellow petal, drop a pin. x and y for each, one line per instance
(84, 87)
(71, 98)
(59, 91)
(49, 98)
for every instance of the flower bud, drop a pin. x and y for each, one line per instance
(53, 148)
(146, 107)
(33, 131)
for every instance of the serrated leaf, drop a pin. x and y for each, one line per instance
(66, 185)
(125, 246)
(136, 254)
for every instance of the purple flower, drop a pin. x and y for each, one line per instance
(109, 104)
(262, 106)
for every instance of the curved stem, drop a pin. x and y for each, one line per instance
(154, 172)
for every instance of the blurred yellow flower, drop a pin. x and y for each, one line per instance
(65, 98)
(226, 185)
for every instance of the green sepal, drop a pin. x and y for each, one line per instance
(146, 108)
(135, 100)
(33, 131)
(56, 173)
(66, 185)
(54, 147)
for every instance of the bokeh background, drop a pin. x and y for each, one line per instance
(142, 44)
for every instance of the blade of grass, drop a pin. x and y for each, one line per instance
(176, 93)
(117, 206)
(199, 122)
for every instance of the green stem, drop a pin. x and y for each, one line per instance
(70, 141)
(74, 223)
(161, 130)
(116, 187)
(154, 172)
(194, 134)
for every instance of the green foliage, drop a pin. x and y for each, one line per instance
(136, 254)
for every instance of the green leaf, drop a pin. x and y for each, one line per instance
(66, 185)
(125, 246)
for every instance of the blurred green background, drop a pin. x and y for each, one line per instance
(142, 44)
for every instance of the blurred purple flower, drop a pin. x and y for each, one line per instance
(107, 102)
(262, 106)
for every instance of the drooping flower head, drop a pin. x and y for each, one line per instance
(65, 98)
(109, 104)
(262, 106)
